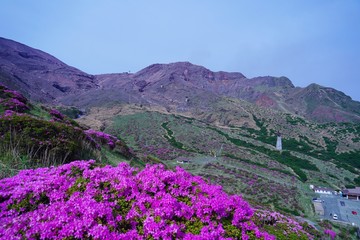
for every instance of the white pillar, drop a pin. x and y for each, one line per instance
(278, 143)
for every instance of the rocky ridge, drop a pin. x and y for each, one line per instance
(177, 87)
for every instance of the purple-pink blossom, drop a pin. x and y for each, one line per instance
(10, 113)
(104, 138)
(56, 114)
(16, 95)
(82, 200)
(330, 232)
(14, 104)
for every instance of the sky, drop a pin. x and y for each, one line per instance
(305, 40)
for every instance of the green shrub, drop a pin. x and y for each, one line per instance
(27, 142)
(357, 181)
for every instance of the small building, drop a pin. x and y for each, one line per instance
(323, 190)
(352, 193)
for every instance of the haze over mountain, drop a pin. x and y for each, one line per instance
(176, 87)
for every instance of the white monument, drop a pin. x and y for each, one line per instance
(278, 142)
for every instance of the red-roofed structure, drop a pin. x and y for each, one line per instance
(353, 193)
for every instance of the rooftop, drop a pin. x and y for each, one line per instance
(352, 191)
(323, 189)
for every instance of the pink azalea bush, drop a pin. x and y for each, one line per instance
(56, 114)
(14, 104)
(104, 138)
(16, 95)
(12, 100)
(82, 200)
(280, 226)
(330, 233)
(10, 113)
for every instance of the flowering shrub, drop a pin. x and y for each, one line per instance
(56, 114)
(12, 100)
(330, 233)
(160, 152)
(10, 113)
(112, 142)
(281, 226)
(30, 140)
(50, 142)
(104, 138)
(255, 186)
(82, 200)
(14, 104)
(16, 95)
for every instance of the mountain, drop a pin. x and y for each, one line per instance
(324, 104)
(38, 75)
(184, 87)
(176, 87)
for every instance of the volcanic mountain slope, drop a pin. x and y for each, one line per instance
(176, 87)
(38, 75)
(184, 87)
(323, 104)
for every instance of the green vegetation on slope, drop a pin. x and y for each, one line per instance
(283, 157)
(213, 152)
(34, 136)
(28, 142)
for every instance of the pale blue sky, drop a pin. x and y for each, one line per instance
(307, 41)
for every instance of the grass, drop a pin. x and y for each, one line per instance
(40, 112)
(140, 129)
(12, 161)
(283, 157)
(258, 186)
(30, 142)
(17, 154)
(169, 136)
(245, 150)
(294, 120)
(71, 112)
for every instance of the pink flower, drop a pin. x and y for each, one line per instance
(330, 232)
(81, 200)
